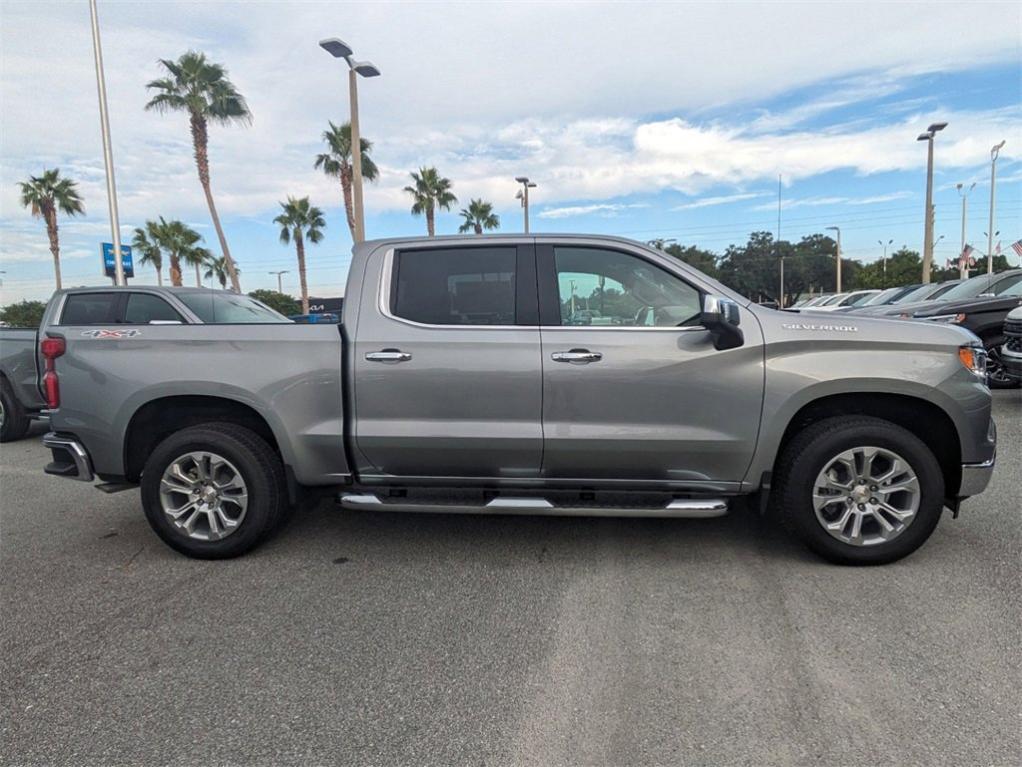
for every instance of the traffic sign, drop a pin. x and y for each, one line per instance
(110, 267)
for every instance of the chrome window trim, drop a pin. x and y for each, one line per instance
(383, 304)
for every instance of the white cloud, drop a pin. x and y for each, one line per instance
(604, 209)
(725, 199)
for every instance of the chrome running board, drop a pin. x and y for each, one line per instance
(694, 508)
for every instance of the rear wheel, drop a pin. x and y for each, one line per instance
(213, 491)
(14, 421)
(860, 490)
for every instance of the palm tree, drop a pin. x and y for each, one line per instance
(479, 215)
(45, 195)
(181, 243)
(217, 267)
(148, 248)
(199, 257)
(337, 162)
(298, 222)
(201, 88)
(431, 192)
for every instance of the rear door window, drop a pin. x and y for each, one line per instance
(90, 309)
(456, 286)
(145, 308)
(217, 307)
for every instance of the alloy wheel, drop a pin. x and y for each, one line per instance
(203, 496)
(866, 496)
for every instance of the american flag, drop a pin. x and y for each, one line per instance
(1017, 247)
(966, 257)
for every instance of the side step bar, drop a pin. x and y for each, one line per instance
(696, 508)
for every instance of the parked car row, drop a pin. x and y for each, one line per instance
(980, 304)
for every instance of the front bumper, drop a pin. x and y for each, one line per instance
(70, 458)
(1012, 361)
(976, 477)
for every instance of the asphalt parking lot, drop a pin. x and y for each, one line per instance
(359, 638)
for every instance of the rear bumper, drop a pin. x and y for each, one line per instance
(70, 458)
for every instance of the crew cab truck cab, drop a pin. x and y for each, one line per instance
(529, 374)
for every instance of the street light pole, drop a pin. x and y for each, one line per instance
(838, 230)
(994, 151)
(523, 195)
(108, 154)
(280, 285)
(885, 245)
(341, 50)
(963, 265)
(928, 224)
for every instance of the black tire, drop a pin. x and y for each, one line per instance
(260, 468)
(806, 456)
(997, 376)
(15, 420)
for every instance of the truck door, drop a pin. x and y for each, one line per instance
(633, 388)
(447, 366)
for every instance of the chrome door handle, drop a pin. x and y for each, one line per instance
(388, 355)
(577, 356)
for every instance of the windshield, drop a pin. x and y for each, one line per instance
(858, 300)
(223, 308)
(882, 297)
(970, 288)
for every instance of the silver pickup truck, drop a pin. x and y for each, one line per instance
(576, 375)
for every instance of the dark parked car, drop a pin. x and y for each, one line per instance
(985, 316)
(1011, 352)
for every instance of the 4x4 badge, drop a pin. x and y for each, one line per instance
(111, 333)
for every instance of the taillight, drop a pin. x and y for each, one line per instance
(51, 348)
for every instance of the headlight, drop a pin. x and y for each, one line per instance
(950, 319)
(974, 359)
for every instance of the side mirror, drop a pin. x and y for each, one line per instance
(721, 317)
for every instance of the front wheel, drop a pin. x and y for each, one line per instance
(860, 490)
(997, 374)
(213, 491)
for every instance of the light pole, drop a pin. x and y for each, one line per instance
(280, 285)
(963, 266)
(838, 230)
(341, 50)
(523, 195)
(932, 131)
(885, 245)
(108, 153)
(994, 151)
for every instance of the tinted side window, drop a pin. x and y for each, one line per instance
(90, 309)
(219, 307)
(612, 289)
(144, 308)
(456, 286)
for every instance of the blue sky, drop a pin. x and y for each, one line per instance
(670, 123)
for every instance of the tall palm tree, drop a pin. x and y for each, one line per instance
(201, 88)
(146, 246)
(300, 221)
(217, 267)
(337, 162)
(430, 193)
(181, 243)
(47, 194)
(479, 215)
